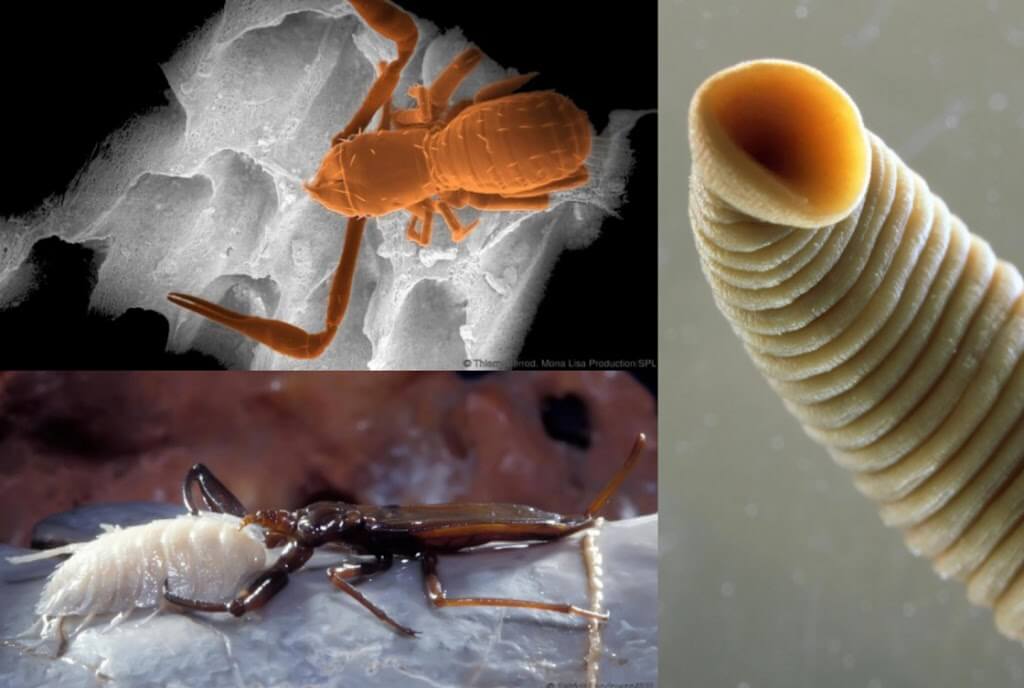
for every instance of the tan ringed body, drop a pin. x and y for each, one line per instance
(893, 334)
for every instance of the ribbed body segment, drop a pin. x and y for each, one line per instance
(205, 557)
(511, 145)
(893, 334)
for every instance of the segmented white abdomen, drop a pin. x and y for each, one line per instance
(205, 557)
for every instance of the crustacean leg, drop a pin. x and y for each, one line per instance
(280, 336)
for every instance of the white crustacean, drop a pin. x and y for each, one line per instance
(209, 556)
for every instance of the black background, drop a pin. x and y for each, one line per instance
(74, 72)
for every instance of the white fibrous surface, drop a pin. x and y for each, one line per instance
(313, 634)
(205, 197)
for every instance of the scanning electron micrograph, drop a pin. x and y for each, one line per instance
(337, 185)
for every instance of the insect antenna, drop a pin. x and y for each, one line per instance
(605, 494)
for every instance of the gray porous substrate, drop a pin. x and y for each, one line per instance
(314, 635)
(204, 196)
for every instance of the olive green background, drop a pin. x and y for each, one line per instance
(774, 570)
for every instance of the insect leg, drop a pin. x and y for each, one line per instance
(461, 199)
(215, 495)
(422, 213)
(419, 114)
(436, 594)
(390, 22)
(459, 232)
(385, 111)
(503, 87)
(448, 80)
(430, 103)
(280, 336)
(578, 178)
(340, 576)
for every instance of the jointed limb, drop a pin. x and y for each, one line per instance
(436, 594)
(390, 22)
(280, 336)
(341, 575)
(259, 592)
(215, 495)
(431, 102)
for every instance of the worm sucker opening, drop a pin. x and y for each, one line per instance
(781, 142)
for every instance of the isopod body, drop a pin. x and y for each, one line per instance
(207, 556)
(891, 332)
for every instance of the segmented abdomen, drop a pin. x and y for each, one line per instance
(895, 336)
(511, 144)
(205, 557)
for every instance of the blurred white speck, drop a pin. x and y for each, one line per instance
(909, 609)
(706, 14)
(710, 420)
(834, 646)
(742, 684)
(797, 577)
(1015, 36)
(952, 121)
(874, 683)
(993, 5)
(777, 442)
(750, 510)
(997, 102)
(275, 385)
(728, 589)
(700, 44)
(801, 11)
(992, 196)
(849, 661)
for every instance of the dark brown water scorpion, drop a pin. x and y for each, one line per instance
(384, 532)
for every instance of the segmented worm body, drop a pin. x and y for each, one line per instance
(890, 331)
(209, 555)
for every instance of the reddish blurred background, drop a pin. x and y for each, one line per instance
(282, 440)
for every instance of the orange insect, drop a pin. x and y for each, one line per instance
(499, 151)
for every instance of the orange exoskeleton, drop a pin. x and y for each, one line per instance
(500, 150)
